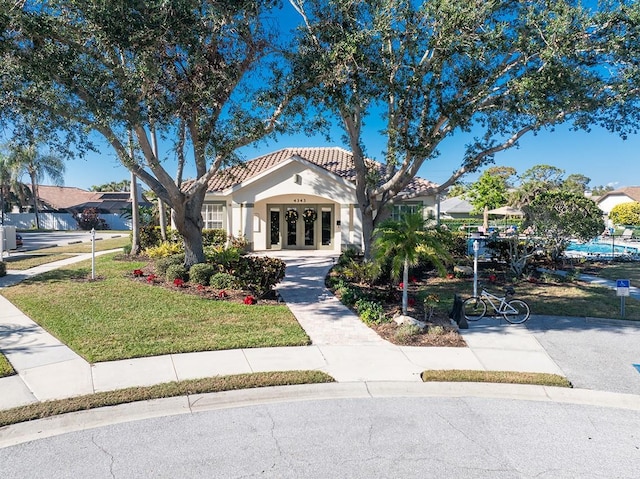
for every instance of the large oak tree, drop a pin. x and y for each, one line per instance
(207, 74)
(431, 70)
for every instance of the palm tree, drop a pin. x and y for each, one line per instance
(28, 160)
(9, 185)
(405, 241)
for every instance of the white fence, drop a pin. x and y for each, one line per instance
(60, 221)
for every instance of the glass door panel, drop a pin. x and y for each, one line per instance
(274, 217)
(326, 223)
(309, 216)
(291, 220)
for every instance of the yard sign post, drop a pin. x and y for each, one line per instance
(476, 248)
(622, 290)
(93, 253)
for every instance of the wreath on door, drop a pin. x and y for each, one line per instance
(291, 216)
(309, 215)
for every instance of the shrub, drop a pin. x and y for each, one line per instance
(223, 281)
(347, 256)
(348, 294)
(225, 258)
(162, 264)
(3, 268)
(89, 218)
(365, 272)
(214, 237)
(370, 312)
(406, 332)
(201, 273)
(163, 250)
(260, 273)
(149, 237)
(126, 249)
(176, 271)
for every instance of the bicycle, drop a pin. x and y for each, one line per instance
(514, 311)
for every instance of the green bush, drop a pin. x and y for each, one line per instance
(348, 255)
(214, 237)
(406, 331)
(163, 250)
(3, 268)
(201, 273)
(162, 264)
(260, 273)
(126, 249)
(225, 258)
(348, 294)
(149, 237)
(176, 271)
(223, 281)
(365, 272)
(370, 312)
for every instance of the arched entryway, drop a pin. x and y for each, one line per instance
(301, 226)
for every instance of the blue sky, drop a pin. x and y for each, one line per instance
(599, 155)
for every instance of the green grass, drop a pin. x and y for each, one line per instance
(510, 377)
(116, 317)
(181, 388)
(27, 261)
(620, 271)
(57, 253)
(85, 246)
(554, 298)
(5, 367)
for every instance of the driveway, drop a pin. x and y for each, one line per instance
(593, 353)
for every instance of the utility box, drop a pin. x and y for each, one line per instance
(8, 238)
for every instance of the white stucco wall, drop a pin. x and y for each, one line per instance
(608, 203)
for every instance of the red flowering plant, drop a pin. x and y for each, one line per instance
(249, 300)
(223, 294)
(200, 287)
(178, 282)
(151, 278)
(492, 278)
(412, 302)
(138, 273)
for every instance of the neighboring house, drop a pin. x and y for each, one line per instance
(64, 199)
(298, 198)
(610, 199)
(455, 207)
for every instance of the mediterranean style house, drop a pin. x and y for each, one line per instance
(298, 198)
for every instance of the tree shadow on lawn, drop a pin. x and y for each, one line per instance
(59, 275)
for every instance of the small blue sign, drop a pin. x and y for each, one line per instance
(637, 366)
(623, 283)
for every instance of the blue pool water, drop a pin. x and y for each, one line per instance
(598, 247)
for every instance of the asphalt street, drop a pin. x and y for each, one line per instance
(355, 438)
(33, 241)
(593, 353)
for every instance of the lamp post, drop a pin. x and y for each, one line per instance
(476, 248)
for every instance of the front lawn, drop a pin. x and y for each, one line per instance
(115, 317)
(553, 298)
(5, 367)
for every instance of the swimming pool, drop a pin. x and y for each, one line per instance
(596, 247)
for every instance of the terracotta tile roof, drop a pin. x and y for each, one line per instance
(333, 159)
(63, 197)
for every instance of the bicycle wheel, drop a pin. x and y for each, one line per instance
(516, 311)
(474, 308)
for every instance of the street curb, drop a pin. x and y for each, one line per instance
(142, 410)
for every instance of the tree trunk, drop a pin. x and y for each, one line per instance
(187, 217)
(162, 216)
(405, 285)
(367, 233)
(135, 217)
(34, 193)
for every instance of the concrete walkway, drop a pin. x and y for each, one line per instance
(342, 346)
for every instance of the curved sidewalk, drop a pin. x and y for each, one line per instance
(342, 346)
